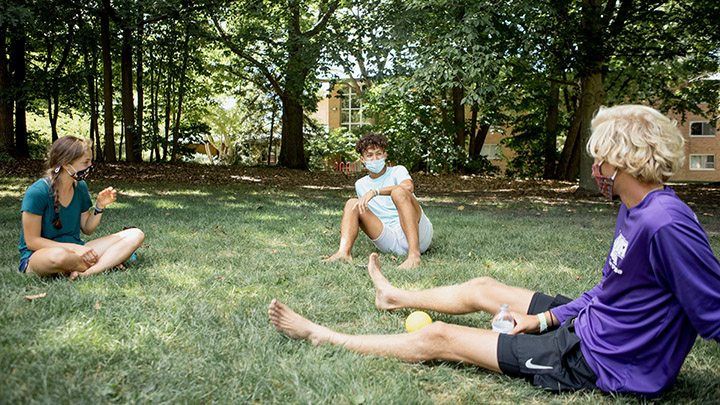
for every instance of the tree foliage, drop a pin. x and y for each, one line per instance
(436, 74)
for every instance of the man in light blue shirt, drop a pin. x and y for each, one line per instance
(385, 208)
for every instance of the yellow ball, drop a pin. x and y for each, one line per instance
(417, 320)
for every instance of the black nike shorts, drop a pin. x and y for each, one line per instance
(551, 360)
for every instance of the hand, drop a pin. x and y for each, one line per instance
(105, 197)
(524, 323)
(362, 205)
(88, 254)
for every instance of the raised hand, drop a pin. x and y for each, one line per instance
(106, 197)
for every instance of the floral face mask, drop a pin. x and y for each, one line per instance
(605, 184)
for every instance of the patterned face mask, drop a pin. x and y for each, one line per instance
(82, 174)
(605, 184)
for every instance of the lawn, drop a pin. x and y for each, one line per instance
(187, 322)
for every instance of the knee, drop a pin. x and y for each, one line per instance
(483, 282)
(135, 236)
(400, 194)
(433, 338)
(350, 204)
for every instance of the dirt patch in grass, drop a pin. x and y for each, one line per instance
(700, 196)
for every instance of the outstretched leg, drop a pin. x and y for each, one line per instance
(435, 341)
(409, 212)
(352, 221)
(479, 294)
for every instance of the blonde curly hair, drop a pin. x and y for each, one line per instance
(639, 140)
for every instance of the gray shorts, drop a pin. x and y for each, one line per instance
(393, 239)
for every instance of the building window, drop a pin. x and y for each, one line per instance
(699, 128)
(491, 151)
(702, 162)
(351, 110)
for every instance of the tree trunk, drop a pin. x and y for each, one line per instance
(292, 154)
(168, 115)
(18, 69)
(54, 110)
(292, 150)
(551, 127)
(592, 58)
(459, 116)
(7, 143)
(564, 170)
(181, 94)
(479, 140)
(473, 127)
(132, 152)
(592, 95)
(141, 101)
(122, 137)
(272, 129)
(107, 87)
(574, 163)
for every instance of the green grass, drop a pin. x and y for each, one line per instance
(188, 321)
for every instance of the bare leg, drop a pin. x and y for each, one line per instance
(352, 221)
(113, 250)
(479, 294)
(436, 341)
(409, 212)
(55, 260)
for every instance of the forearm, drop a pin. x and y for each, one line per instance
(389, 189)
(36, 243)
(90, 222)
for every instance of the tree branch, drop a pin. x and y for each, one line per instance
(323, 21)
(225, 38)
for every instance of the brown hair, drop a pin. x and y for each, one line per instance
(64, 150)
(371, 139)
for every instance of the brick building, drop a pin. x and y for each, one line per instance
(342, 107)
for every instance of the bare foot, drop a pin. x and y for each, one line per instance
(410, 262)
(338, 256)
(290, 323)
(384, 291)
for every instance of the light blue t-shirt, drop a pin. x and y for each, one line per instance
(38, 200)
(382, 206)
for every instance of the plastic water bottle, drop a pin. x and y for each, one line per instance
(503, 322)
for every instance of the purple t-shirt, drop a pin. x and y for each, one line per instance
(660, 289)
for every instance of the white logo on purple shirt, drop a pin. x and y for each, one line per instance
(619, 248)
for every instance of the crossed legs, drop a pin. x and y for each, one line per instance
(112, 251)
(435, 341)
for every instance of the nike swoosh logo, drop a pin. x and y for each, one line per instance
(529, 364)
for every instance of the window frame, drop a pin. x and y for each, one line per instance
(703, 162)
(702, 135)
(354, 106)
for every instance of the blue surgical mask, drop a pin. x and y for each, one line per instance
(375, 166)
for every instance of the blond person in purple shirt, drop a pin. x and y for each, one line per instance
(630, 333)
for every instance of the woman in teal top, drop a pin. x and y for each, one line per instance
(57, 207)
